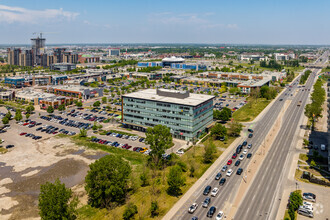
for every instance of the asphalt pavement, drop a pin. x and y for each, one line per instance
(259, 190)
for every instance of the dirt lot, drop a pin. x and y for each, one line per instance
(32, 163)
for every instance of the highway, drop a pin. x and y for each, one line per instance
(256, 202)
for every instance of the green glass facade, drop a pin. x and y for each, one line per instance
(184, 121)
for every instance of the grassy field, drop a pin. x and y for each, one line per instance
(157, 179)
(251, 110)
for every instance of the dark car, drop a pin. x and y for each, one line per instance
(250, 135)
(9, 146)
(207, 190)
(250, 130)
(218, 176)
(222, 181)
(244, 143)
(238, 149)
(211, 212)
(249, 155)
(237, 163)
(239, 171)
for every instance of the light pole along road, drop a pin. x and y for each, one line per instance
(228, 191)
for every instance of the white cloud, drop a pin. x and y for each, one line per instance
(10, 14)
(198, 20)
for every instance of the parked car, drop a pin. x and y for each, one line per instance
(222, 181)
(239, 171)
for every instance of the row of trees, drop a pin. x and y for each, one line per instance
(289, 76)
(314, 110)
(271, 64)
(234, 129)
(304, 77)
(295, 201)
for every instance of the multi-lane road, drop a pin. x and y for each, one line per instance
(260, 196)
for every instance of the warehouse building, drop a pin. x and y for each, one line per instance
(187, 115)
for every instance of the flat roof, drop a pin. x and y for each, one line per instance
(151, 94)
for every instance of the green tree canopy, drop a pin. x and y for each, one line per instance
(235, 128)
(159, 138)
(104, 100)
(175, 181)
(50, 109)
(61, 107)
(218, 130)
(18, 115)
(79, 104)
(5, 120)
(29, 109)
(107, 181)
(130, 211)
(54, 202)
(97, 104)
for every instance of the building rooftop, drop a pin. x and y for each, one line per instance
(31, 94)
(173, 59)
(153, 95)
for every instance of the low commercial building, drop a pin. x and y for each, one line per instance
(16, 82)
(55, 102)
(32, 96)
(7, 95)
(149, 76)
(63, 66)
(284, 56)
(76, 91)
(252, 56)
(187, 115)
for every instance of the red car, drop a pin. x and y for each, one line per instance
(234, 156)
(128, 147)
(25, 123)
(23, 133)
(229, 162)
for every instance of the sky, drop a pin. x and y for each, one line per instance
(171, 21)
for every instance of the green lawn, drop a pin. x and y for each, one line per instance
(251, 110)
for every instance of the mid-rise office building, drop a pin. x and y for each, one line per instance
(187, 115)
(114, 52)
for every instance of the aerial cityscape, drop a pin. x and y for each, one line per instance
(173, 110)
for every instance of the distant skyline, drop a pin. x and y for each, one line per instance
(150, 21)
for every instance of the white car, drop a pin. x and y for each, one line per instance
(249, 146)
(180, 151)
(193, 208)
(241, 157)
(245, 151)
(219, 215)
(214, 191)
(229, 172)
(307, 204)
(309, 208)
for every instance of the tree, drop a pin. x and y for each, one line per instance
(104, 100)
(54, 201)
(29, 109)
(97, 104)
(218, 130)
(50, 109)
(18, 115)
(79, 104)
(83, 132)
(144, 178)
(27, 116)
(235, 128)
(107, 181)
(209, 151)
(61, 107)
(130, 211)
(255, 93)
(175, 180)
(224, 114)
(5, 120)
(154, 209)
(159, 138)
